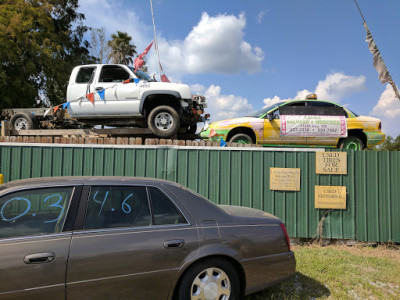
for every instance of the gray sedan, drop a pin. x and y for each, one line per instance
(133, 238)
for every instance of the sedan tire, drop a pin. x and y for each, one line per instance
(210, 279)
(241, 138)
(351, 143)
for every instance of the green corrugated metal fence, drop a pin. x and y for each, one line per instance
(239, 176)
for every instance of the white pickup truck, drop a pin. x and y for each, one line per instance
(117, 95)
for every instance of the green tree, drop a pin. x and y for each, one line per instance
(390, 144)
(40, 42)
(98, 45)
(121, 49)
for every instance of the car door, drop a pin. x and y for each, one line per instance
(325, 109)
(120, 98)
(33, 247)
(272, 129)
(126, 247)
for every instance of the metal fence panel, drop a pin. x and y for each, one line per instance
(239, 176)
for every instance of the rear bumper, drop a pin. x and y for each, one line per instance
(375, 138)
(263, 272)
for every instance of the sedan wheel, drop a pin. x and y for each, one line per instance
(241, 138)
(351, 143)
(211, 283)
(212, 279)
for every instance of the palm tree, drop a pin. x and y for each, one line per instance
(121, 49)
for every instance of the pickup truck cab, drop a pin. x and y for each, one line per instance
(122, 96)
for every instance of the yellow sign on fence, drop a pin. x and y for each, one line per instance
(331, 162)
(284, 179)
(1, 179)
(330, 197)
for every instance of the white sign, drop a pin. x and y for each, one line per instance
(313, 126)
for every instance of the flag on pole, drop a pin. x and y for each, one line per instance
(139, 62)
(378, 62)
(164, 77)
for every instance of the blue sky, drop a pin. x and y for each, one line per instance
(243, 55)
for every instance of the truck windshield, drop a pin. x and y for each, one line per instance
(141, 75)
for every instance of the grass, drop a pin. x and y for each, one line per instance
(340, 272)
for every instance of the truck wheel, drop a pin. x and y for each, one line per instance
(21, 121)
(164, 121)
(192, 129)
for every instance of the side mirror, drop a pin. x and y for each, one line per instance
(270, 117)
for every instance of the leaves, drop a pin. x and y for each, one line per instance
(40, 43)
(122, 51)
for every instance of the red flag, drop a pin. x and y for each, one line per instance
(90, 97)
(212, 133)
(164, 77)
(139, 62)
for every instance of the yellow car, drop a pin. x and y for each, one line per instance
(300, 123)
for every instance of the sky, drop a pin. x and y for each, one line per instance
(245, 55)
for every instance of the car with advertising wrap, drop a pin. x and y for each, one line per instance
(133, 238)
(301, 123)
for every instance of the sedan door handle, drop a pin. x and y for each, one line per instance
(174, 244)
(99, 88)
(38, 258)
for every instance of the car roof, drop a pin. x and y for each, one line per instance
(85, 180)
(309, 100)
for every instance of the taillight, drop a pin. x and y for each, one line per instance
(285, 234)
(380, 126)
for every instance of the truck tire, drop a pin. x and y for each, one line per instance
(21, 121)
(164, 121)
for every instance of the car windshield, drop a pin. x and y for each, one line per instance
(141, 75)
(262, 112)
(352, 112)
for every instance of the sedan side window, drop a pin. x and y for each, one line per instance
(34, 212)
(113, 206)
(164, 211)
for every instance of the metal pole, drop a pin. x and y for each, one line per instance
(155, 40)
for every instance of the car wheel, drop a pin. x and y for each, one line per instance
(210, 279)
(241, 138)
(21, 121)
(192, 129)
(164, 121)
(351, 143)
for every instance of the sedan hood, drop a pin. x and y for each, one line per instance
(230, 122)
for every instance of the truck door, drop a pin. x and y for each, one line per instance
(119, 98)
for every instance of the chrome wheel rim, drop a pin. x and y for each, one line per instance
(210, 284)
(21, 124)
(164, 121)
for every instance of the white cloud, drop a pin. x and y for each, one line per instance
(334, 87)
(388, 110)
(215, 44)
(221, 106)
(261, 15)
(337, 85)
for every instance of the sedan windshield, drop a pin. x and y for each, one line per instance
(262, 112)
